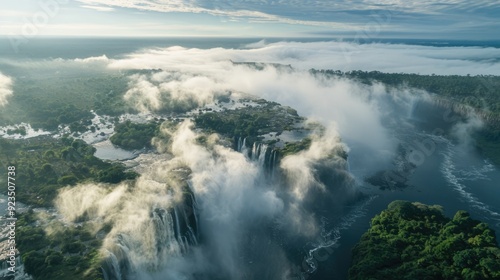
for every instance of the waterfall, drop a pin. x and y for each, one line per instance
(191, 217)
(258, 153)
(272, 162)
(240, 144)
(177, 225)
(116, 262)
(244, 149)
(465, 110)
(262, 154)
(180, 238)
(20, 274)
(111, 262)
(254, 151)
(167, 233)
(413, 105)
(4, 265)
(173, 231)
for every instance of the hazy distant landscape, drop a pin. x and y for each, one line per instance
(249, 140)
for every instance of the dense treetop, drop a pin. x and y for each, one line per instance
(46, 164)
(416, 241)
(134, 136)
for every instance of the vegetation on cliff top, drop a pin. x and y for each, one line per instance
(70, 252)
(416, 241)
(250, 121)
(135, 136)
(44, 165)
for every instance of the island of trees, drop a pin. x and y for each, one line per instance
(416, 241)
(134, 136)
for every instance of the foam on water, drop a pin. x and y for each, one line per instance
(456, 177)
(330, 238)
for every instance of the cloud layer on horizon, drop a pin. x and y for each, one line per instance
(336, 55)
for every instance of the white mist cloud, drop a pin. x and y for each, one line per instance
(5, 89)
(392, 58)
(299, 167)
(131, 210)
(463, 131)
(302, 179)
(170, 90)
(98, 8)
(143, 94)
(93, 59)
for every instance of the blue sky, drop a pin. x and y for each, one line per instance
(440, 19)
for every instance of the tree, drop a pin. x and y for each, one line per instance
(416, 241)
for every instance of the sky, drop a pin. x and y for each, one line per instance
(424, 19)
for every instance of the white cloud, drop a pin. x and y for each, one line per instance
(5, 89)
(194, 7)
(393, 58)
(299, 168)
(171, 91)
(308, 18)
(267, 8)
(98, 8)
(337, 16)
(93, 59)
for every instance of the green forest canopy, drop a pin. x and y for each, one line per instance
(416, 241)
(46, 164)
